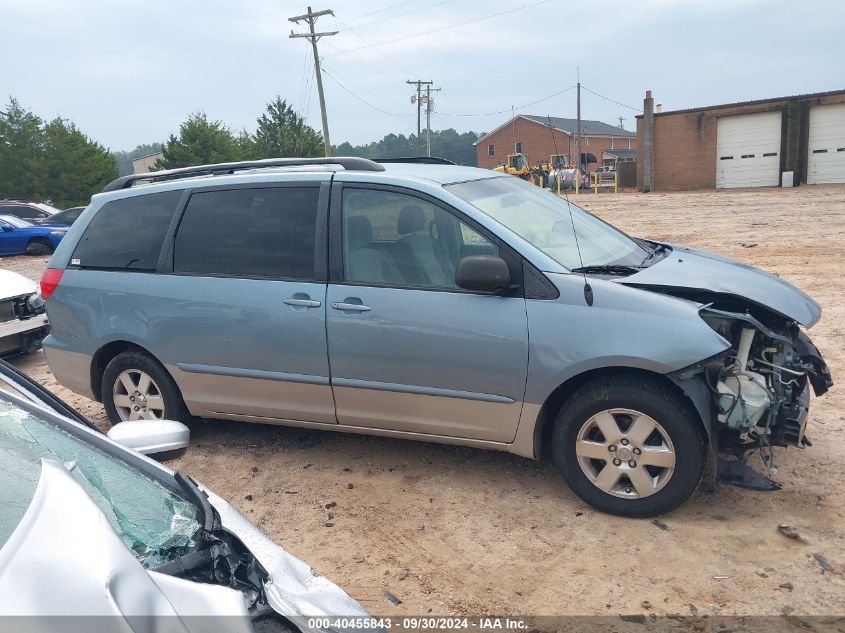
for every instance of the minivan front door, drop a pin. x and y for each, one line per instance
(409, 350)
(247, 324)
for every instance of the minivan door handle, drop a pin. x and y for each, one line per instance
(302, 300)
(351, 307)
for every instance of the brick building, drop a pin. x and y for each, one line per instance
(541, 136)
(786, 140)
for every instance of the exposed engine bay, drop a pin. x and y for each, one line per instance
(23, 323)
(760, 387)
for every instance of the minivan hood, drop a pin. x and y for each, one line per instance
(691, 269)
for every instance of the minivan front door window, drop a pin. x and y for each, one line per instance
(392, 238)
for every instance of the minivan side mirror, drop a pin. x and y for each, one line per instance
(151, 436)
(484, 273)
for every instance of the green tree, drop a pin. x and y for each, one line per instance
(448, 144)
(246, 146)
(73, 165)
(200, 142)
(21, 153)
(283, 133)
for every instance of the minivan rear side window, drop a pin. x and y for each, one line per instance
(127, 234)
(263, 232)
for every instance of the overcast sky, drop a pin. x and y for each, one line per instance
(129, 72)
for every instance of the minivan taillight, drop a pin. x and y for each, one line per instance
(50, 279)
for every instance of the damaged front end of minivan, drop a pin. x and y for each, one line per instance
(757, 391)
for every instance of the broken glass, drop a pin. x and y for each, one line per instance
(155, 523)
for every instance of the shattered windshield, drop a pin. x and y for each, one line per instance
(154, 523)
(544, 220)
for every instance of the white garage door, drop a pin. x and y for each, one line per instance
(748, 150)
(826, 160)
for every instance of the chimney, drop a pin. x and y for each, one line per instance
(647, 146)
(658, 108)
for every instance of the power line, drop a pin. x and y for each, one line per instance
(445, 28)
(364, 101)
(375, 46)
(364, 15)
(400, 15)
(511, 108)
(379, 71)
(611, 100)
(360, 87)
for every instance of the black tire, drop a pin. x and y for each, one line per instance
(174, 405)
(646, 396)
(37, 247)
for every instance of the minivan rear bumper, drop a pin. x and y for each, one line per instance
(69, 359)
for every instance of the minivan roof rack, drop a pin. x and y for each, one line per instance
(223, 169)
(425, 160)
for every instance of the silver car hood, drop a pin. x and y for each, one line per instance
(14, 285)
(65, 559)
(688, 268)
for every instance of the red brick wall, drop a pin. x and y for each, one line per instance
(685, 143)
(537, 143)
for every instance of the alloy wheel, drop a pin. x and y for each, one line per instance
(625, 453)
(136, 396)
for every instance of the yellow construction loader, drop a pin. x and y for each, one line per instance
(518, 165)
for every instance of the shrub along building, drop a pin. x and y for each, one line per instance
(540, 136)
(782, 141)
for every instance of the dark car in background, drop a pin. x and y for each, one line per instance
(19, 237)
(62, 218)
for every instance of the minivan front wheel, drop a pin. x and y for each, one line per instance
(629, 446)
(137, 387)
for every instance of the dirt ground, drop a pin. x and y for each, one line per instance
(451, 530)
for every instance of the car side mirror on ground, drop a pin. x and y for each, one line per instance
(484, 273)
(151, 437)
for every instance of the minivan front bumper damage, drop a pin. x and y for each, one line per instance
(755, 395)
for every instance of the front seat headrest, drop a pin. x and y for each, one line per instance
(411, 220)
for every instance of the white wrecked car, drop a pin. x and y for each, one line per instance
(23, 322)
(90, 528)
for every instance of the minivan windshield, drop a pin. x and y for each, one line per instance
(155, 523)
(543, 219)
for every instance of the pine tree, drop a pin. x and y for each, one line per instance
(283, 133)
(200, 142)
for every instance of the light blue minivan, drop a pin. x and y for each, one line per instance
(424, 300)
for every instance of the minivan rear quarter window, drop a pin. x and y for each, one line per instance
(262, 232)
(127, 234)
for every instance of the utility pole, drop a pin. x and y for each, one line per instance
(578, 137)
(313, 37)
(428, 110)
(621, 122)
(418, 100)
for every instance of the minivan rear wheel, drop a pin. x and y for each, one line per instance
(629, 445)
(137, 387)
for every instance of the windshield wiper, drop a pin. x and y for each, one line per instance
(608, 269)
(652, 252)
